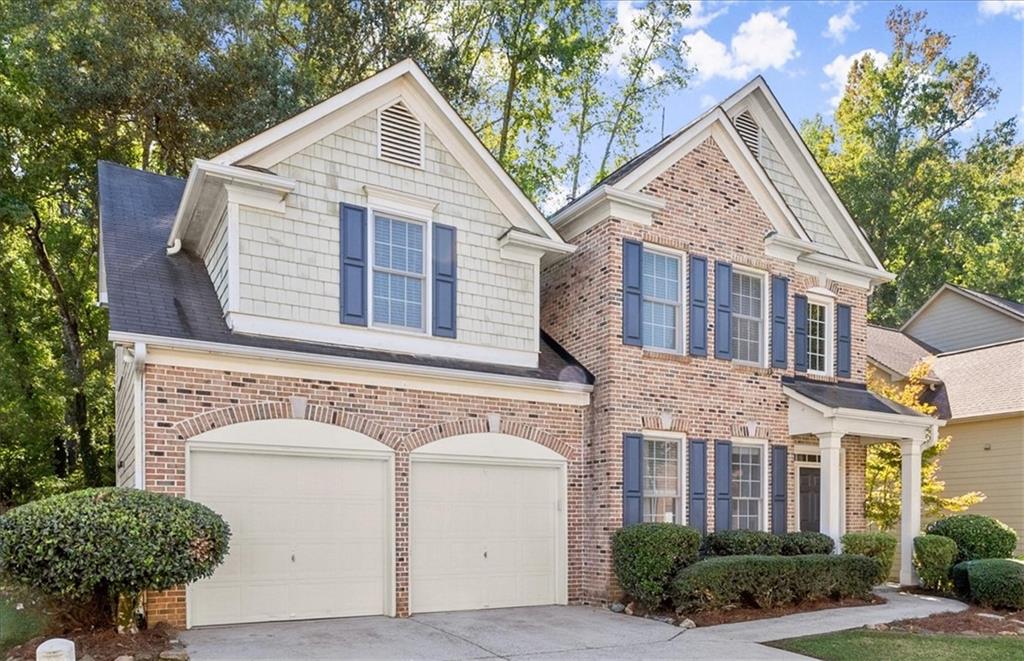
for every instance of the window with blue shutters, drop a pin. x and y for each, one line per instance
(662, 289)
(399, 273)
(820, 345)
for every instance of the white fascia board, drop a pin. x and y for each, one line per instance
(230, 357)
(841, 270)
(521, 246)
(602, 203)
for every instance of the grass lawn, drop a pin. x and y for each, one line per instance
(17, 626)
(863, 645)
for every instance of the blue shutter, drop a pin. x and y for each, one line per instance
(843, 340)
(632, 292)
(353, 265)
(780, 319)
(698, 505)
(723, 310)
(698, 306)
(780, 481)
(632, 478)
(723, 485)
(445, 278)
(800, 333)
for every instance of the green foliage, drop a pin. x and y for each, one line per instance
(768, 581)
(934, 556)
(110, 541)
(742, 542)
(646, 557)
(806, 543)
(879, 546)
(976, 536)
(991, 582)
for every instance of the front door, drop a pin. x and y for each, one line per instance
(810, 498)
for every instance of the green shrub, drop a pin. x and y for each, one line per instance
(933, 557)
(742, 542)
(646, 557)
(767, 581)
(806, 543)
(977, 537)
(880, 546)
(991, 582)
(100, 543)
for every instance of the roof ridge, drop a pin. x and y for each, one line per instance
(992, 345)
(122, 166)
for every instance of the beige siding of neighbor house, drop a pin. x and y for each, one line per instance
(289, 266)
(952, 322)
(124, 419)
(988, 456)
(216, 260)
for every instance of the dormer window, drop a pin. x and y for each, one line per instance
(400, 135)
(749, 131)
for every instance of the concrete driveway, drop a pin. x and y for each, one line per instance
(545, 632)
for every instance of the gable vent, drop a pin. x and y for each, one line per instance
(749, 131)
(401, 135)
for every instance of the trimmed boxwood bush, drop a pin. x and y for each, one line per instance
(934, 556)
(765, 581)
(807, 543)
(646, 557)
(991, 582)
(107, 542)
(742, 542)
(881, 546)
(976, 536)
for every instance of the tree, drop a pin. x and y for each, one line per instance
(933, 209)
(882, 476)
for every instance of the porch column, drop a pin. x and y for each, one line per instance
(830, 444)
(910, 506)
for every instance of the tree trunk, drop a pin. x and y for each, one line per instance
(129, 608)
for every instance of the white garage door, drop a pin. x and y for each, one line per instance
(484, 535)
(309, 536)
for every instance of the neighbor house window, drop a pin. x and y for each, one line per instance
(662, 312)
(662, 487)
(747, 488)
(819, 348)
(747, 317)
(398, 273)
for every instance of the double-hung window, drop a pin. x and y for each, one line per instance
(399, 273)
(748, 313)
(662, 302)
(662, 480)
(747, 487)
(819, 337)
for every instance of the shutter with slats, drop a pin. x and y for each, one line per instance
(723, 310)
(632, 478)
(749, 132)
(698, 505)
(843, 332)
(723, 485)
(445, 278)
(780, 319)
(632, 292)
(401, 135)
(780, 478)
(800, 333)
(698, 305)
(353, 265)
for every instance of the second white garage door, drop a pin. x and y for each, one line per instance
(484, 535)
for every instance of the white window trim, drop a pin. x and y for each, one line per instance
(428, 233)
(830, 340)
(681, 316)
(813, 449)
(763, 340)
(761, 443)
(680, 437)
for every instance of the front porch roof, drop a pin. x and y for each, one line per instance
(821, 408)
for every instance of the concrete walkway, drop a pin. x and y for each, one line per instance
(547, 632)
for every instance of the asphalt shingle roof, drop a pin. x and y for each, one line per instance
(896, 350)
(845, 395)
(980, 381)
(172, 296)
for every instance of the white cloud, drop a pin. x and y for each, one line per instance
(840, 24)
(839, 69)
(701, 14)
(763, 41)
(625, 16)
(1013, 8)
(706, 101)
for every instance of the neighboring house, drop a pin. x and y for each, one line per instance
(975, 344)
(331, 334)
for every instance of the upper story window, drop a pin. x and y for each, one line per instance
(819, 334)
(662, 301)
(748, 317)
(399, 294)
(748, 487)
(663, 480)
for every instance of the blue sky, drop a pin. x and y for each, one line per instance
(804, 49)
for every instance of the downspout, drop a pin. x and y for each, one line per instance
(139, 396)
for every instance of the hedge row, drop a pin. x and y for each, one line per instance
(756, 542)
(991, 582)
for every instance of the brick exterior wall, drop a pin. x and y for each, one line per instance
(709, 212)
(183, 402)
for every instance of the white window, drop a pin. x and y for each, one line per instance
(399, 273)
(662, 307)
(819, 336)
(747, 488)
(663, 480)
(748, 313)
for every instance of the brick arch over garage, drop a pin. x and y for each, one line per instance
(495, 424)
(295, 408)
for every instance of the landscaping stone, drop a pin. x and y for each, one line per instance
(991, 616)
(687, 623)
(629, 608)
(174, 655)
(617, 607)
(125, 657)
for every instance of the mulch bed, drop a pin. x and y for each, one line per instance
(728, 616)
(105, 644)
(973, 621)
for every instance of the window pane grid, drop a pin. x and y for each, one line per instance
(661, 305)
(816, 337)
(661, 484)
(398, 273)
(746, 487)
(747, 317)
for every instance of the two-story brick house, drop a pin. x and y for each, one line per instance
(331, 334)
